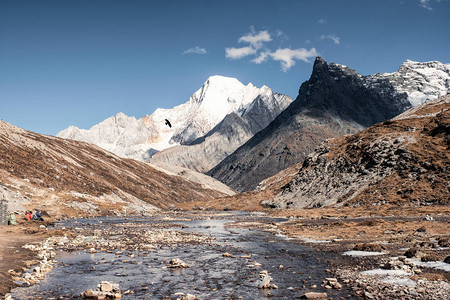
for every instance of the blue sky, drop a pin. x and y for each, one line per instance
(78, 62)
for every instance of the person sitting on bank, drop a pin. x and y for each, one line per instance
(28, 216)
(38, 216)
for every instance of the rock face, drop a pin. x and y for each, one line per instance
(402, 161)
(206, 108)
(333, 102)
(71, 177)
(234, 130)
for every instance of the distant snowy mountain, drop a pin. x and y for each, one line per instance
(207, 107)
(421, 81)
(234, 130)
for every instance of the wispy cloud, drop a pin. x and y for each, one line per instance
(256, 39)
(322, 21)
(288, 57)
(236, 53)
(261, 58)
(427, 4)
(196, 50)
(332, 37)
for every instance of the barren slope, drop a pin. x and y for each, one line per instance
(71, 177)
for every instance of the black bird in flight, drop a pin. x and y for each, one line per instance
(168, 123)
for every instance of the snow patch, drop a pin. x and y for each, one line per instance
(440, 265)
(357, 253)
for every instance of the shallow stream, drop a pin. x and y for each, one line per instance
(210, 275)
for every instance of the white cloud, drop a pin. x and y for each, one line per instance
(196, 50)
(425, 4)
(256, 39)
(261, 58)
(287, 57)
(332, 37)
(322, 21)
(261, 53)
(236, 53)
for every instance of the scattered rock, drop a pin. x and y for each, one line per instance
(447, 259)
(226, 254)
(413, 252)
(444, 242)
(429, 257)
(177, 263)
(188, 297)
(332, 283)
(105, 290)
(428, 218)
(264, 281)
(421, 229)
(368, 247)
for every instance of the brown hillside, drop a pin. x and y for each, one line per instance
(402, 161)
(70, 177)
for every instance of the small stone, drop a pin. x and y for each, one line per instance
(280, 267)
(314, 295)
(368, 295)
(421, 229)
(87, 293)
(188, 297)
(428, 218)
(177, 263)
(412, 252)
(226, 254)
(105, 286)
(429, 257)
(264, 281)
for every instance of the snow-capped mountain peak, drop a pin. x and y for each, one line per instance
(421, 81)
(141, 138)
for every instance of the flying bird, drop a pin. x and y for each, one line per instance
(168, 123)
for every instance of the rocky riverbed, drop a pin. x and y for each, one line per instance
(217, 262)
(230, 255)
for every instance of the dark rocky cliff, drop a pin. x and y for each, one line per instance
(333, 102)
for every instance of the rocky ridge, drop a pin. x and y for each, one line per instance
(404, 161)
(334, 101)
